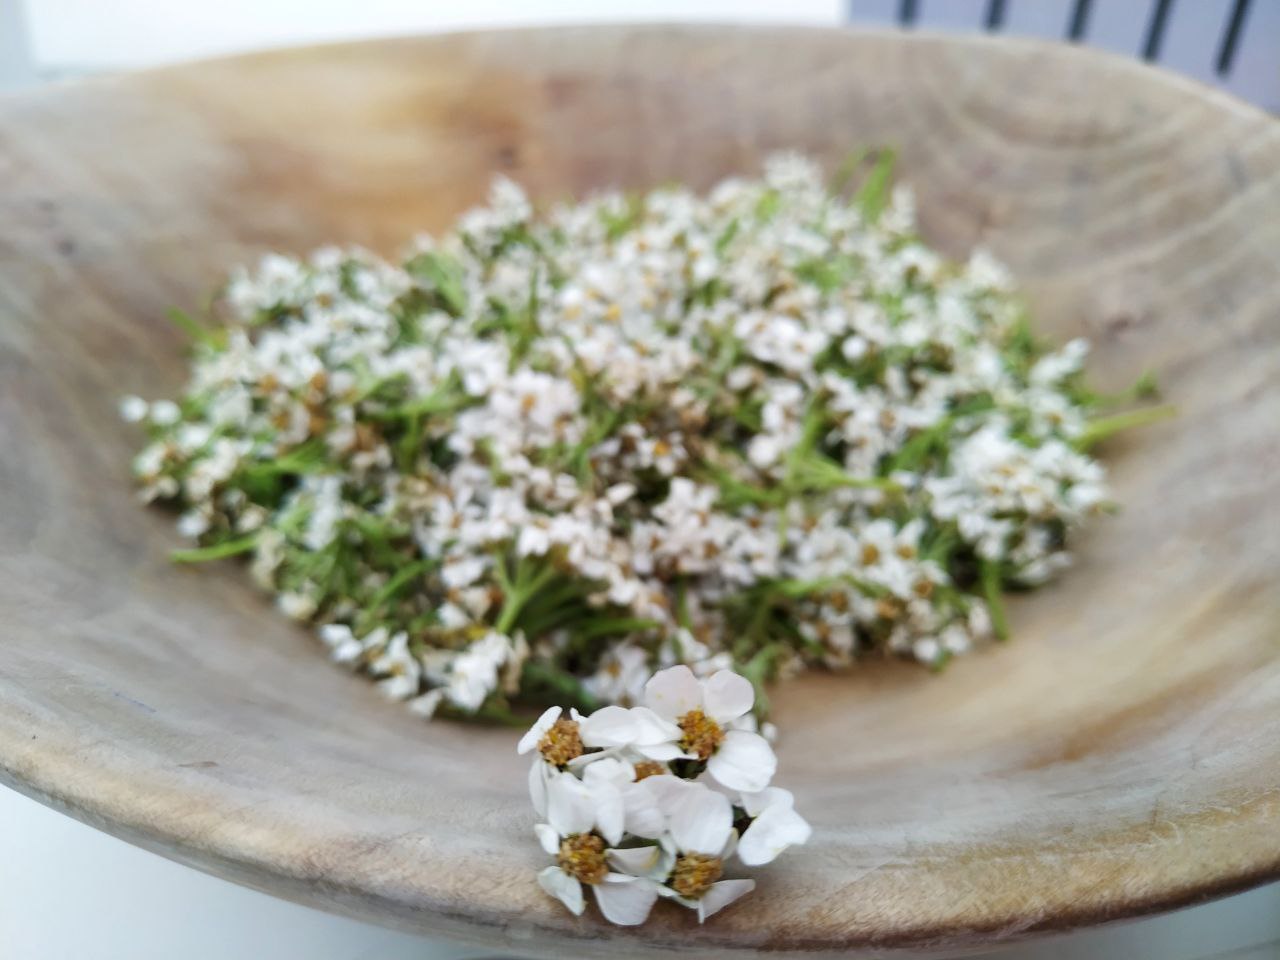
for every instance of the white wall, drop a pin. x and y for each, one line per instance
(16, 68)
(78, 36)
(96, 34)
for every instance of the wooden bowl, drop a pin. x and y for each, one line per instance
(1120, 756)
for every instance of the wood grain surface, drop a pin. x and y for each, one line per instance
(1120, 756)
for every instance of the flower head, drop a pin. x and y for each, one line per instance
(705, 711)
(701, 838)
(635, 828)
(584, 820)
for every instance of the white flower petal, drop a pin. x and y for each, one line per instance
(730, 846)
(539, 772)
(673, 692)
(666, 792)
(564, 888)
(425, 705)
(728, 696)
(547, 837)
(571, 805)
(651, 729)
(544, 723)
(721, 895)
(701, 820)
(581, 762)
(772, 832)
(756, 803)
(399, 687)
(608, 727)
(662, 752)
(643, 817)
(611, 770)
(625, 901)
(744, 761)
(610, 812)
(652, 862)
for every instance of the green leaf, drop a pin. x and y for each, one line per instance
(873, 196)
(844, 174)
(308, 457)
(445, 398)
(794, 589)
(768, 205)
(196, 331)
(726, 236)
(616, 225)
(444, 275)
(825, 273)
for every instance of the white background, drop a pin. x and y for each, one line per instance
(68, 892)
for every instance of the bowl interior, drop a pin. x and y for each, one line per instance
(1122, 754)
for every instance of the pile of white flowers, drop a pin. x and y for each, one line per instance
(628, 813)
(543, 456)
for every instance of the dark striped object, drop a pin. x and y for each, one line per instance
(1077, 26)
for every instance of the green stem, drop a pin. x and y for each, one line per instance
(1098, 430)
(682, 604)
(873, 195)
(228, 548)
(564, 686)
(1144, 388)
(604, 628)
(192, 329)
(306, 458)
(995, 601)
(848, 167)
(402, 577)
(518, 591)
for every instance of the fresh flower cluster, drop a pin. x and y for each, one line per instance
(627, 811)
(541, 457)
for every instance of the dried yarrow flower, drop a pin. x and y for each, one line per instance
(546, 454)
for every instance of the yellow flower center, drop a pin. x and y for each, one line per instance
(561, 743)
(888, 608)
(701, 734)
(649, 768)
(582, 857)
(695, 873)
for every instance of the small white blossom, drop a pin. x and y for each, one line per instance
(165, 413)
(400, 670)
(133, 409)
(738, 759)
(193, 524)
(342, 643)
(296, 606)
(474, 673)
